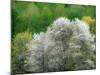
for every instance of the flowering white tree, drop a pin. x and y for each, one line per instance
(67, 45)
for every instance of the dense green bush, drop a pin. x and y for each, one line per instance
(19, 51)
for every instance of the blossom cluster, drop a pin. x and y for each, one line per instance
(66, 45)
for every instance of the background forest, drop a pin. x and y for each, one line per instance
(29, 18)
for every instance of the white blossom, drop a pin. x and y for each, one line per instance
(65, 44)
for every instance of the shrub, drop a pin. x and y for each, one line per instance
(67, 45)
(20, 51)
(91, 22)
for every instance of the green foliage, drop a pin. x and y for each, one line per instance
(74, 11)
(91, 22)
(46, 17)
(60, 11)
(36, 17)
(19, 51)
(23, 21)
(78, 11)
